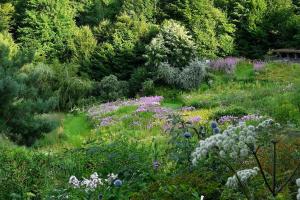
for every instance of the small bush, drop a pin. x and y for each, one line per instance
(148, 88)
(110, 88)
(188, 78)
(137, 78)
(192, 75)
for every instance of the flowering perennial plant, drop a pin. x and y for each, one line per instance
(144, 104)
(230, 118)
(152, 104)
(106, 121)
(226, 65)
(93, 182)
(258, 65)
(243, 175)
(234, 142)
(195, 120)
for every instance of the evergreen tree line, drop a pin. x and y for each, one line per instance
(55, 54)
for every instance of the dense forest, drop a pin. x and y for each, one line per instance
(161, 92)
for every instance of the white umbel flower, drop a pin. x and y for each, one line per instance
(244, 176)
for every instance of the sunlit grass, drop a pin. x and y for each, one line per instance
(72, 132)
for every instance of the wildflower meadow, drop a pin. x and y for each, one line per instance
(149, 99)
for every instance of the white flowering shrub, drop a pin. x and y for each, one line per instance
(243, 175)
(173, 45)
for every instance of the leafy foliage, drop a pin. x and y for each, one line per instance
(110, 88)
(188, 78)
(172, 45)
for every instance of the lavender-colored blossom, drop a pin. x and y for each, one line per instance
(167, 127)
(144, 104)
(225, 64)
(258, 65)
(227, 118)
(106, 121)
(230, 118)
(195, 119)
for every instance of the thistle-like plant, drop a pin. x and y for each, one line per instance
(235, 145)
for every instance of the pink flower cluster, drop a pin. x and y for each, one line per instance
(225, 64)
(152, 104)
(195, 120)
(106, 121)
(145, 104)
(258, 65)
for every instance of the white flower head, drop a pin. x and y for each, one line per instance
(74, 182)
(244, 176)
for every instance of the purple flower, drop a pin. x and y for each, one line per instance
(258, 65)
(230, 118)
(227, 118)
(106, 121)
(195, 119)
(225, 64)
(167, 127)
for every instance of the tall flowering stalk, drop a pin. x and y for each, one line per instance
(226, 65)
(238, 143)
